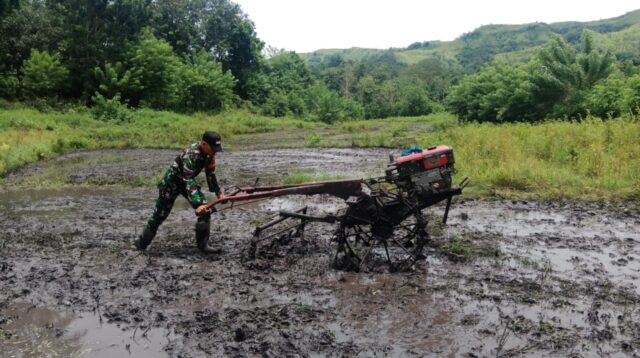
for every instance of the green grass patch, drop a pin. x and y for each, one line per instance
(27, 135)
(297, 178)
(591, 159)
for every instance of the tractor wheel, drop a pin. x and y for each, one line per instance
(372, 247)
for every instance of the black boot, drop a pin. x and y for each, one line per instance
(203, 227)
(145, 238)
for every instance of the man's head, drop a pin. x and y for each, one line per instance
(211, 142)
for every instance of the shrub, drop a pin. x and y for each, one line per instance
(43, 75)
(111, 110)
(205, 86)
(9, 86)
(155, 71)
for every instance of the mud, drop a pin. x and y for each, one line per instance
(537, 279)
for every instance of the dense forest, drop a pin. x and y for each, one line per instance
(205, 55)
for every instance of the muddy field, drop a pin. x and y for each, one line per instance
(506, 278)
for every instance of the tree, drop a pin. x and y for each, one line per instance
(327, 106)
(615, 96)
(30, 26)
(494, 94)
(414, 99)
(95, 33)
(179, 22)
(155, 71)
(562, 76)
(287, 80)
(436, 74)
(43, 75)
(6, 6)
(204, 85)
(230, 36)
(112, 80)
(288, 72)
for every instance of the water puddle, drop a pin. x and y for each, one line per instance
(29, 331)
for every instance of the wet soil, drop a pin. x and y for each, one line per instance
(504, 278)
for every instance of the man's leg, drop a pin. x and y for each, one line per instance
(203, 231)
(164, 202)
(203, 225)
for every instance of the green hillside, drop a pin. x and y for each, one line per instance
(504, 43)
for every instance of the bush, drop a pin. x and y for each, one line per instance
(9, 86)
(205, 86)
(43, 75)
(155, 71)
(327, 106)
(111, 110)
(615, 96)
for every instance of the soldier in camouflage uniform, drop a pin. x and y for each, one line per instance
(180, 179)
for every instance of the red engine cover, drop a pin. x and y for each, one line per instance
(433, 157)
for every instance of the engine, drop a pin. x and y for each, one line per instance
(428, 172)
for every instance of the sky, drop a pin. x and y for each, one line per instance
(308, 25)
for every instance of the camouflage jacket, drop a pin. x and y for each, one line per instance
(190, 162)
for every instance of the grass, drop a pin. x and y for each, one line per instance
(553, 160)
(297, 178)
(27, 135)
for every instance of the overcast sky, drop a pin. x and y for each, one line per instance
(308, 25)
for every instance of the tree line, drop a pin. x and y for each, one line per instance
(204, 55)
(560, 81)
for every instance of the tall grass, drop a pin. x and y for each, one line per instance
(592, 159)
(27, 135)
(588, 160)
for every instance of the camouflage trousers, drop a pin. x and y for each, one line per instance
(168, 190)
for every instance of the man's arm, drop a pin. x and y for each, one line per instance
(212, 180)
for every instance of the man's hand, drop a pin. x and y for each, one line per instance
(221, 196)
(201, 210)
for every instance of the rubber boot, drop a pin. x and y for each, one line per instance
(203, 227)
(145, 238)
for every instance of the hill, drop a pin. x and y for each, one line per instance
(503, 42)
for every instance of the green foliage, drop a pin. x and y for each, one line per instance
(9, 86)
(6, 6)
(327, 106)
(481, 45)
(29, 26)
(561, 76)
(588, 160)
(394, 98)
(185, 55)
(494, 94)
(204, 85)
(288, 72)
(111, 110)
(90, 34)
(616, 96)
(43, 75)
(97, 32)
(232, 39)
(155, 74)
(554, 84)
(287, 78)
(293, 91)
(112, 80)
(435, 74)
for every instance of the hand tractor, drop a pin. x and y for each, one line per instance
(383, 219)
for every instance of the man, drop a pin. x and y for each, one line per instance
(180, 179)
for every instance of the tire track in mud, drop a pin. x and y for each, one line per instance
(542, 278)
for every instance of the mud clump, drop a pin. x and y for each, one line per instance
(534, 278)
